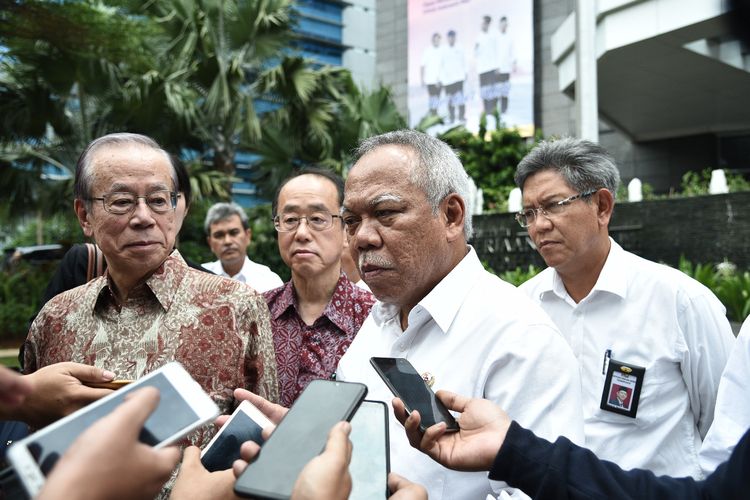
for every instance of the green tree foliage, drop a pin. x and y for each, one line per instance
(491, 160)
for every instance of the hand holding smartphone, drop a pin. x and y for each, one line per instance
(245, 424)
(300, 436)
(407, 384)
(183, 406)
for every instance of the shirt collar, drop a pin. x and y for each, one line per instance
(163, 283)
(444, 300)
(286, 299)
(341, 293)
(612, 278)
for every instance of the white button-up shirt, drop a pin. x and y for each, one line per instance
(432, 59)
(258, 276)
(732, 413)
(480, 337)
(653, 316)
(485, 51)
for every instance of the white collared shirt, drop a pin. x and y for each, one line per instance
(258, 276)
(732, 413)
(653, 316)
(453, 68)
(485, 51)
(432, 59)
(479, 337)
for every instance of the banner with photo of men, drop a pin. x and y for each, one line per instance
(468, 57)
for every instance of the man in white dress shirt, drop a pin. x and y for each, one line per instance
(506, 63)
(429, 73)
(228, 234)
(453, 75)
(630, 321)
(732, 414)
(461, 327)
(485, 52)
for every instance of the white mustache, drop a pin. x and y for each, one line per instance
(373, 259)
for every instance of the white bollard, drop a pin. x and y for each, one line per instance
(718, 184)
(635, 190)
(479, 202)
(515, 202)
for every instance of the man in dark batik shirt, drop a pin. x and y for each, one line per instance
(316, 314)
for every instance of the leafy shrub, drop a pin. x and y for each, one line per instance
(21, 289)
(730, 286)
(520, 275)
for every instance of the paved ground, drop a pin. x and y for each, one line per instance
(4, 353)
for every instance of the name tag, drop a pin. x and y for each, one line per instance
(622, 388)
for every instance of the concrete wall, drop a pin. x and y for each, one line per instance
(705, 229)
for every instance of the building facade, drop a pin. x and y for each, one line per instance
(672, 82)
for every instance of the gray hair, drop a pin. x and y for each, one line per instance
(585, 166)
(221, 211)
(438, 172)
(84, 176)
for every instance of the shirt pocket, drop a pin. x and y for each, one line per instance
(661, 380)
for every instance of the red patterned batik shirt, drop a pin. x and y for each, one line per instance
(305, 353)
(216, 327)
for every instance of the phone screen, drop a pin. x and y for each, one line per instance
(222, 452)
(404, 381)
(172, 413)
(299, 437)
(370, 461)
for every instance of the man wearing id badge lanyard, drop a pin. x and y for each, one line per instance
(639, 329)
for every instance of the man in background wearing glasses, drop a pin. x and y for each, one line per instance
(629, 321)
(149, 308)
(317, 313)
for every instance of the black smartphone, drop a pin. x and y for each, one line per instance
(408, 385)
(370, 456)
(245, 424)
(300, 436)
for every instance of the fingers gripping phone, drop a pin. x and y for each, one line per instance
(300, 436)
(370, 456)
(183, 406)
(245, 424)
(408, 385)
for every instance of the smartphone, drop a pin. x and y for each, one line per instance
(245, 424)
(408, 385)
(370, 454)
(300, 436)
(183, 406)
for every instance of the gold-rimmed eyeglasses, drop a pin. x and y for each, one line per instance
(124, 203)
(527, 217)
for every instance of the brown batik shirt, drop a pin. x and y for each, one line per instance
(216, 327)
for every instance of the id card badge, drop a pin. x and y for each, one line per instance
(622, 388)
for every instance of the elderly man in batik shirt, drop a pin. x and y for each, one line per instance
(150, 308)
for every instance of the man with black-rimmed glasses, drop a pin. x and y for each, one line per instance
(316, 314)
(630, 322)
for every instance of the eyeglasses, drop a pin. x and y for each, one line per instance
(159, 202)
(319, 221)
(527, 217)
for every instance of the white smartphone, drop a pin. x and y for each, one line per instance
(370, 457)
(245, 424)
(183, 406)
